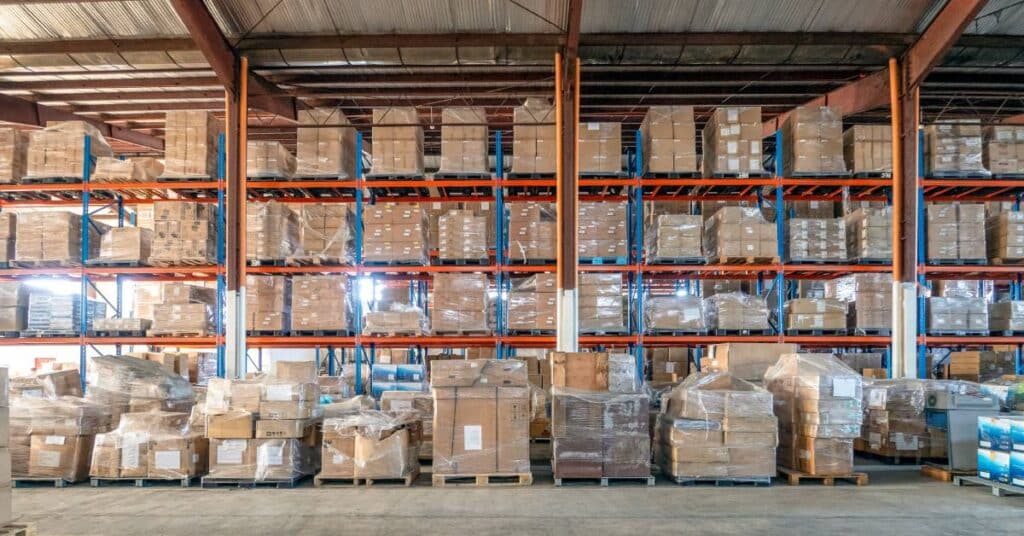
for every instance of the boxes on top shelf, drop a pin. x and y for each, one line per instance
(732, 141)
(397, 142)
(190, 144)
(600, 147)
(464, 140)
(58, 151)
(327, 150)
(268, 159)
(953, 148)
(534, 138)
(1004, 149)
(13, 155)
(669, 137)
(812, 142)
(868, 149)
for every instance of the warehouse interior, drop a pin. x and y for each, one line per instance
(718, 264)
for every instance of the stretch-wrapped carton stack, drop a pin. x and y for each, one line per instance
(953, 148)
(669, 138)
(13, 305)
(716, 426)
(1004, 149)
(395, 318)
(268, 159)
(13, 155)
(532, 303)
(816, 239)
(534, 138)
(869, 233)
(744, 360)
(956, 231)
(138, 169)
(190, 146)
(53, 237)
(397, 141)
(422, 405)
(155, 445)
(395, 233)
(600, 417)
(732, 141)
(481, 416)
(53, 438)
(125, 244)
(819, 404)
(394, 377)
(184, 233)
(460, 303)
(462, 235)
(464, 141)
(320, 303)
(5, 452)
(271, 231)
(125, 384)
(371, 444)
(815, 314)
(894, 418)
(59, 149)
(184, 309)
(1005, 236)
(602, 230)
(868, 149)
(737, 311)
(869, 298)
(674, 313)
(532, 231)
(61, 312)
(957, 313)
(49, 385)
(980, 365)
(675, 236)
(326, 232)
(601, 303)
(267, 298)
(740, 232)
(600, 147)
(121, 324)
(812, 142)
(325, 151)
(668, 365)
(1006, 316)
(8, 235)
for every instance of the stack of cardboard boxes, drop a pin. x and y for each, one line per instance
(812, 142)
(669, 138)
(481, 418)
(732, 142)
(668, 365)
(980, 365)
(464, 141)
(869, 234)
(600, 423)
(956, 231)
(184, 309)
(13, 155)
(532, 303)
(813, 314)
(1004, 149)
(534, 138)
(460, 303)
(184, 233)
(674, 236)
(397, 142)
(138, 169)
(462, 235)
(58, 151)
(739, 232)
(121, 325)
(125, 245)
(600, 148)
(953, 148)
(1001, 449)
(395, 233)
(396, 318)
(1005, 237)
(746, 361)
(819, 404)
(126, 384)
(737, 311)
(320, 303)
(370, 444)
(266, 301)
(894, 420)
(1006, 316)
(408, 377)
(601, 303)
(268, 159)
(420, 403)
(868, 149)
(190, 148)
(271, 231)
(5, 453)
(326, 232)
(674, 313)
(325, 151)
(814, 239)
(61, 312)
(869, 298)
(602, 230)
(716, 426)
(8, 234)
(954, 314)
(154, 446)
(532, 231)
(50, 385)
(13, 306)
(53, 438)
(53, 237)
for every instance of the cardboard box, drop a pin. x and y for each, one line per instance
(232, 458)
(868, 148)
(668, 135)
(464, 140)
(584, 371)
(460, 303)
(230, 425)
(58, 151)
(600, 148)
(953, 148)
(59, 456)
(13, 155)
(732, 141)
(327, 150)
(812, 141)
(534, 137)
(747, 361)
(480, 430)
(398, 141)
(320, 303)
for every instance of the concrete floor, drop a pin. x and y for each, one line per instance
(894, 503)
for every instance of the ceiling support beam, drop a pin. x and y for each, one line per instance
(23, 112)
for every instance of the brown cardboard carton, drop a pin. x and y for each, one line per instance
(230, 425)
(748, 361)
(191, 144)
(172, 458)
(584, 371)
(13, 155)
(327, 150)
(479, 430)
(464, 140)
(282, 428)
(668, 135)
(232, 458)
(59, 456)
(58, 150)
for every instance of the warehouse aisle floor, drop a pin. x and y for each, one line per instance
(894, 503)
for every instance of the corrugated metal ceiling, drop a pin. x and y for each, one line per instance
(1000, 17)
(48, 21)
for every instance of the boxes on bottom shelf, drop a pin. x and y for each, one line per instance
(599, 434)
(263, 459)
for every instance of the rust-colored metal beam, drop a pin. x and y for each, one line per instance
(96, 46)
(942, 33)
(23, 112)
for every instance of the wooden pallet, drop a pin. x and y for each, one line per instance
(942, 473)
(181, 261)
(313, 260)
(38, 481)
(184, 482)
(51, 263)
(407, 333)
(178, 333)
(999, 261)
(489, 479)
(465, 333)
(742, 260)
(407, 481)
(605, 481)
(796, 478)
(18, 529)
(756, 482)
(998, 488)
(216, 482)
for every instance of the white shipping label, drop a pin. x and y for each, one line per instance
(168, 459)
(130, 456)
(733, 164)
(844, 387)
(593, 126)
(391, 377)
(876, 398)
(473, 437)
(904, 442)
(732, 147)
(271, 455)
(279, 392)
(48, 458)
(805, 454)
(416, 377)
(732, 114)
(670, 367)
(54, 440)
(755, 147)
(401, 405)
(229, 454)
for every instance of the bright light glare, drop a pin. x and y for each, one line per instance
(55, 286)
(368, 291)
(682, 292)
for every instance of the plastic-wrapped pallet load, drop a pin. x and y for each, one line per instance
(152, 445)
(49, 385)
(326, 232)
(868, 149)
(602, 232)
(5, 452)
(397, 142)
(13, 306)
(1004, 149)
(667, 365)
(58, 151)
(266, 303)
(184, 308)
(53, 237)
(327, 150)
(419, 403)
(601, 303)
(460, 303)
(464, 141)
(811, 314)
(184, 233)
(740, 232)
(1008, 389)
(953, 148)
(1005, 237)
(1006, 316)
(125, 245)
(271, 231)
(737, 311)
(810, 239)
(732, 141)
(674, 313)
(320, 303)
(819, 404)
(371, 444)
(869, 234)
(746, 361)
(462, 235)
(190, 145)
(532, 303)
(869, 296)
(812, 142)
(126, 384)
(53, 438)
(61, 312)
(956, 231)
(600, 148)
(395, 318)
(8, 235)
(718, 427)
(268, 159)
(981, 365)
(532, 231)
(534, 138)
(674, 236)
(139, 169)
(481, 417)
(669, 136)
(957, 314)
(395, 233)
(13, 155)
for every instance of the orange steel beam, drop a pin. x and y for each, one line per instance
(935, 340)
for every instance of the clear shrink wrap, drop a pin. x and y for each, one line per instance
(125, 244)
(737, 311)
(13, 155)
(131, 385)
(320, 303)
(58, 151)
(868, 149)
(534, 138)
(1008, 390)
(328, 150)
(397, 142)
(669, 138)
(54, 236)
(532, 303)
(602, 231)
(869, 233)
(674, 236)
(267, 301)
(957, 314)
(601, 303)
(816, 239)
(869, 299)
(812, 142)
(371, 444)
(953, 148)
(271, 231)
(732, 141)
(53, 437)
(138, 169)
(956, 231)
(268, 159)
(600, 148)
(47, 385)
(8, 233)
(1006, 315)
(462, 235)
(184, 233)
(153, 445)
(395, 233)
(464, 141)
(674, 313)
(422, 405)
(61, 312)
(1004, 233)
(398, 318)
(531, 231)
(815, 314)
(345, 406)
(460, 303)
(190, 144)
(326, 232)
(600, 434)
(740, 232)
(263, 459)
(13, 305)
(1004, 149)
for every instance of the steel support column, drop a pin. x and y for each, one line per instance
(566, 113)
(235, 122)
